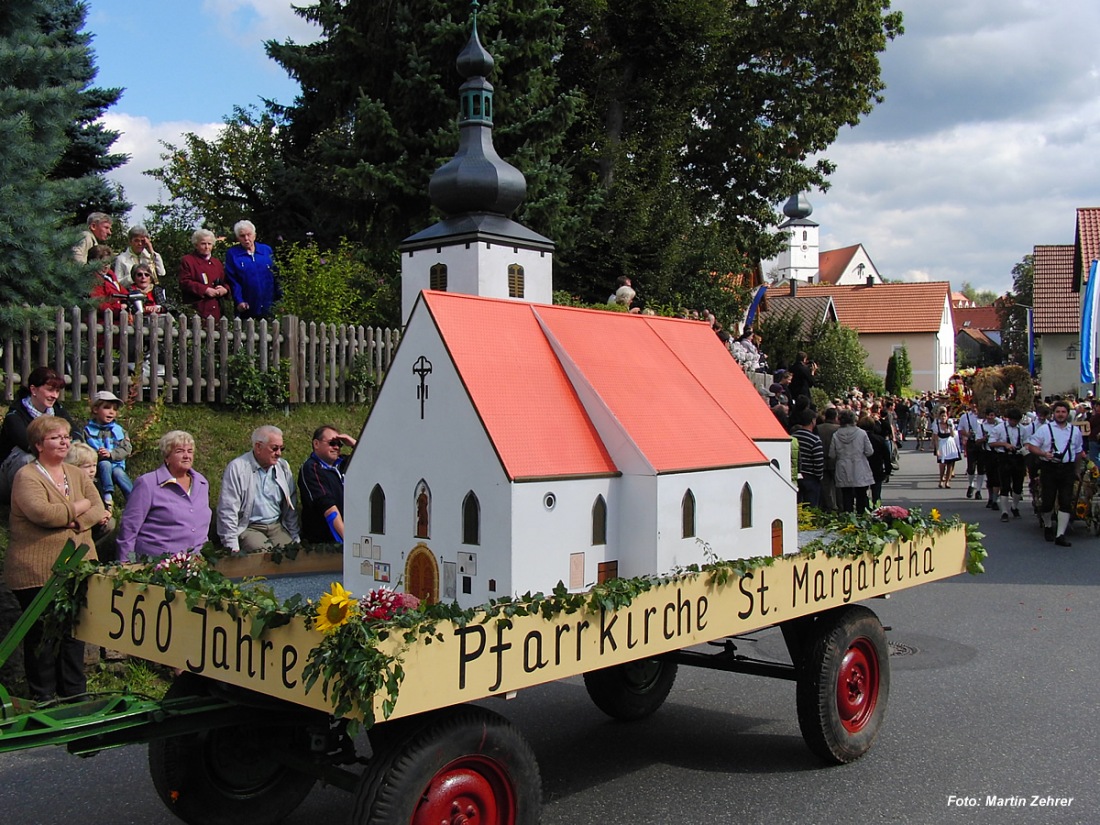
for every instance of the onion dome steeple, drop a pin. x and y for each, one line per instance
(476, 179)
(798, 206)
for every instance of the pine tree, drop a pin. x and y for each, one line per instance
(87, 157)
(377, 114)
(42, 100)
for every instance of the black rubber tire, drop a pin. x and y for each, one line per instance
(633, 690)
(843, 684)
(463, 760)
(227, 776)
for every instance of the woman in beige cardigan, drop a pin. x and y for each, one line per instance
(51, 502)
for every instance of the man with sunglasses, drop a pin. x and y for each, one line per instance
(321, 486)
(258, 506)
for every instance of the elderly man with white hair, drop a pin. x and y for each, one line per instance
(250, 268)
(258, 505)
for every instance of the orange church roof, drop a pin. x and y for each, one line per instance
(668, 384)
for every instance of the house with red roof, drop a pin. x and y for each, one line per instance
(516, 445)
(977, 333)
(1060, 274)
(917, 316)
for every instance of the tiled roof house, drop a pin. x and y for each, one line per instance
(917, 316)
(1057, 317)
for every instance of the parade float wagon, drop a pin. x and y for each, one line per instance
(262, 707)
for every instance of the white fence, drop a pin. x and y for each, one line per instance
(185, 359)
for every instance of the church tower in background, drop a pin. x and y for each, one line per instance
(800, 258)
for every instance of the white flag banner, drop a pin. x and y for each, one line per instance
(1089, 308)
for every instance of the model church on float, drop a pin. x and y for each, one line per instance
(515, 444)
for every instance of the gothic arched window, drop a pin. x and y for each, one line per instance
(599, 521)
(378, 510)
(471, 519)
(687, 515)
(423, 505)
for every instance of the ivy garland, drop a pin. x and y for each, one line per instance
(353, 668)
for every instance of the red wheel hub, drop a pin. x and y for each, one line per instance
(857, 685)
(472, 790)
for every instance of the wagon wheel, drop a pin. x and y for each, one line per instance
(843, 684)
(456, 766)
(229, 775)
(633, 690)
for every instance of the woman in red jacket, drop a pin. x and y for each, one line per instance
(202, 277)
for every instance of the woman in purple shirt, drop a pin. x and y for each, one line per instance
(169, 510)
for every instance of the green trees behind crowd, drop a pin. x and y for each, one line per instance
(53, 154)
(656, 137)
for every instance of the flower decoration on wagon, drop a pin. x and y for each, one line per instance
(349, 661)
(851, 534)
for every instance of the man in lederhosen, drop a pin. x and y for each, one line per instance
(1058, 444)
(969, 428)
(1007, 443)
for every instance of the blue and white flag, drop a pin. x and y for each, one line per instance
(1089, 308)
(750, 313)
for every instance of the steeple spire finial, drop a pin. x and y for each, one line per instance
(476, 179)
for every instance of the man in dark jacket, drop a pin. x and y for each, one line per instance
(803, 376)
(321, 486)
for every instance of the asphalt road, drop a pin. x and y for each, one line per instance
(994, 694)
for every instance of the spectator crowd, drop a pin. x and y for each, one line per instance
(131, 281)
(68, 482)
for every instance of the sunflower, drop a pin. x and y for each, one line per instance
(1095, 471)
(337, 606)
(935, 514)
(1082, 509)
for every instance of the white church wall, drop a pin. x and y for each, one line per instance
(552, 533)
(449, 449)
(476, 268)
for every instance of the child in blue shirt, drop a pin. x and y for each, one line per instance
(103, 434)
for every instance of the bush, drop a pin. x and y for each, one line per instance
(360, 379)
(335, 286)
(251, 390)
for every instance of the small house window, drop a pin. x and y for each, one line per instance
(515, 281)
(378, 511)
(599, 521)
(471, 519)
(687, 515)
(423, 510)
(437, 277)
(746, 506)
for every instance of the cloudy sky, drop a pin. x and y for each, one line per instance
(986, 144)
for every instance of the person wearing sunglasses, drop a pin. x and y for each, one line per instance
(145, 297)
(321, 486)
(258, 505)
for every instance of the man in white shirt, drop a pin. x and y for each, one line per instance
(258, 506)
(1058, 445)
(1007, 441)
(969, 427)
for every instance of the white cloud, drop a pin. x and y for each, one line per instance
(141, 139)
(260, 20)
(966, 202)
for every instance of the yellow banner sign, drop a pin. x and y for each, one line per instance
(495, 657)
